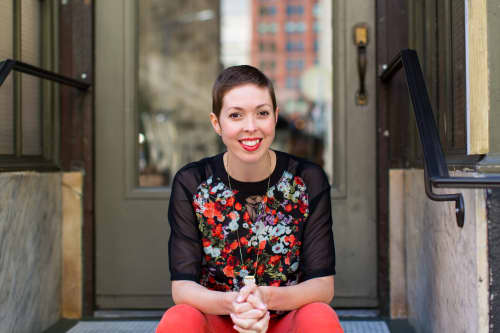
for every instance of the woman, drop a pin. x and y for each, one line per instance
(250, 211)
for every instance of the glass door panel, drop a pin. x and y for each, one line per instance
(182, 46)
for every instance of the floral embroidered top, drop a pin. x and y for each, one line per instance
(289, 228)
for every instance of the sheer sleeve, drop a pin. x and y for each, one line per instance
(184, 246)
(318, 249)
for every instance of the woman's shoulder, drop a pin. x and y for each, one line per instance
(196, 172)
(299, 166)
(311, 173)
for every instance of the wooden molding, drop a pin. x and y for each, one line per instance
(72, 218)
(478, 101)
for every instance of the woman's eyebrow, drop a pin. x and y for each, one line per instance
(239, 108)
(261, 105)
(234, 107)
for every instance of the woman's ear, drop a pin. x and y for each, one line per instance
(215, 123)
(276, 112)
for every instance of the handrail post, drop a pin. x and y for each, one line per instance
(435, 166)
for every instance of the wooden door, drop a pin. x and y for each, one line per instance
(147, 128)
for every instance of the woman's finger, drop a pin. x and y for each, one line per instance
(242, 307)
(262, 325)
(244, 292)
(252, 314)
(242, 330)
(244, 323)
(256, 301)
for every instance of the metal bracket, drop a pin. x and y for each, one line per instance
(457, 197)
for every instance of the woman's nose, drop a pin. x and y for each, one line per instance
(250, 124)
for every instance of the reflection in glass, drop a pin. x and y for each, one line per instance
(178, 60)
(183, 46)
(292, 44)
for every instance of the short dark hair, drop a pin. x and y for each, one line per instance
(235, 76)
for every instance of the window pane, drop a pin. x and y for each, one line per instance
(180, 54)
(31, 86)
(7, 88)
(31, 115)
(178, 62)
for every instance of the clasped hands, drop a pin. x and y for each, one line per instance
(250, 314)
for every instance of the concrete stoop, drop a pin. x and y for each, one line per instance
(93, 325)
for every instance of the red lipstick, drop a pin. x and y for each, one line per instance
(250, 148)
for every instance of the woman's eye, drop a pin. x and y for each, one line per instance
(234, 115)
(264, 113)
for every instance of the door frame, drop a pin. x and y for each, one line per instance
(76, 58)
(392, 110)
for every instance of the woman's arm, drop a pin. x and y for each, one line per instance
(203, 299)
(319, 289)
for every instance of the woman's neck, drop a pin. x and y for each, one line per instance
(250, 172)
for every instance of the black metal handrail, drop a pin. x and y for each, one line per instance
(9, 65)
(435, 166)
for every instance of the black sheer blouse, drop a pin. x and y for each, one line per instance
(219, 235)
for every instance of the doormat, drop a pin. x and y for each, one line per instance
(350, 326)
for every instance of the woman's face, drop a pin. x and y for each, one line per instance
(246, 122)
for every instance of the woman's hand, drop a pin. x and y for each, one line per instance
(251, 325)
(255, 295)
(250, 312)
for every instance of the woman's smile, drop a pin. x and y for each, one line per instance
(250, 144)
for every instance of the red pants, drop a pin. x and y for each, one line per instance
(314, 317)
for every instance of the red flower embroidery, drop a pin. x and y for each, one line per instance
(206, 242)
(246, 216)
(290, 239)
(275, 283)
(274, 259)
(228, 271)
(216, 216)
(216, 232)
(211, 211)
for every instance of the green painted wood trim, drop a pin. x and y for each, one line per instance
(50, 90)
(18, 133)
(493, 27)
(49, 160)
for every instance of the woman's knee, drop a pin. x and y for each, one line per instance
(317, 317)
(182, 317)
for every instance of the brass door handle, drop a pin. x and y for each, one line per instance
(360, 34)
